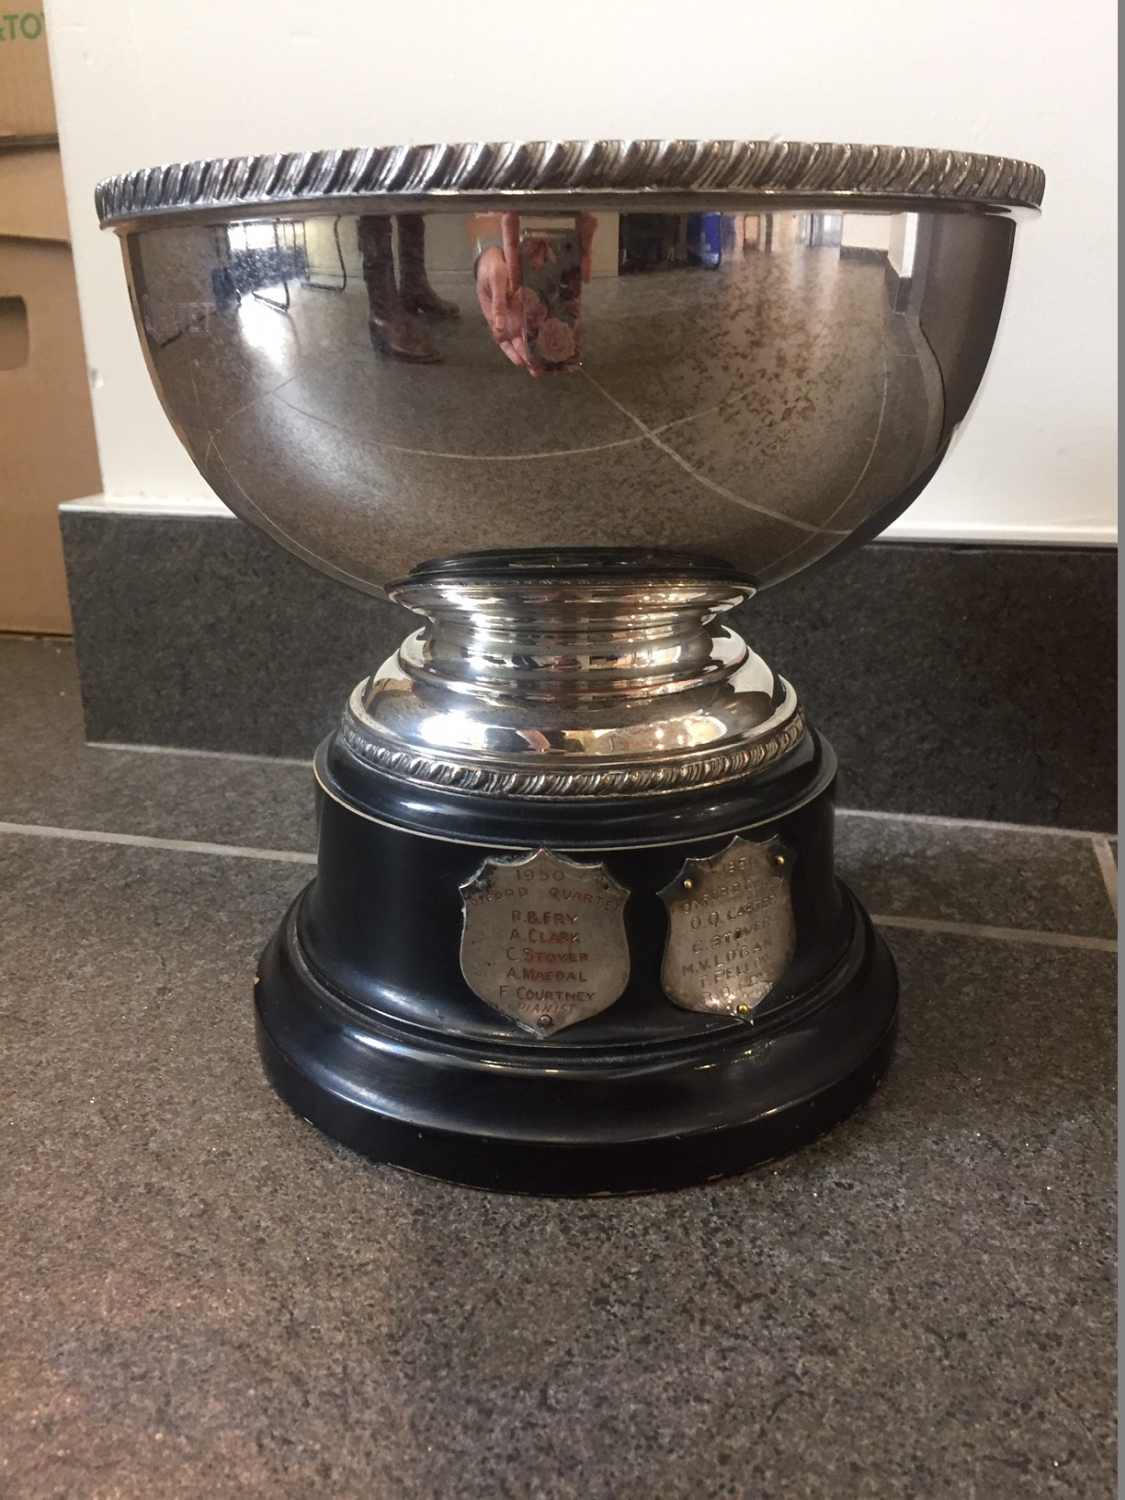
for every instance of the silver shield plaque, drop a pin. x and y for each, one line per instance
(544, 939)
(731, 931)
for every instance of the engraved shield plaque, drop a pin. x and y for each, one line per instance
(731, 931)
(544, 939)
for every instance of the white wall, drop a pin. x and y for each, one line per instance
(138, 84)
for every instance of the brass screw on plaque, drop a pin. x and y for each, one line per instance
(743, 1010)
(545, 1022)
(688, 884)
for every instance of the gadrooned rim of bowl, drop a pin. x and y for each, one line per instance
(426, 175)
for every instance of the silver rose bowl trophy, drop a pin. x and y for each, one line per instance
(575, 925)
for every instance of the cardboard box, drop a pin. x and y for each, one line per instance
(27, 107)
(47, 448)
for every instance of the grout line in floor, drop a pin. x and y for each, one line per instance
(1002, 934)
(266, 760)
(149, 841)
(940, 820)
(300, 857)
(1108, 866)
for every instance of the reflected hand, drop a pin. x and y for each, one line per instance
(502, 307)
(498, 292)
(513, 313)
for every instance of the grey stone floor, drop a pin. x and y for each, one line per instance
(202, 1296)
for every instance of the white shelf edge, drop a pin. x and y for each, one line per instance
(901, 531)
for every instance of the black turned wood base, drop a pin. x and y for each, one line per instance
(368, 1029)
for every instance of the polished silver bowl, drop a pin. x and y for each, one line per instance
(775, 342)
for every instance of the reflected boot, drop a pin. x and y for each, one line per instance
(394, 330)
(418, 296)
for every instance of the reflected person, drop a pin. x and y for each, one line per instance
(394, 307)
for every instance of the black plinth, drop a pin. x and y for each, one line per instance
(368, 1029)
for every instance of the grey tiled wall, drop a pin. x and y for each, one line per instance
(973, 682)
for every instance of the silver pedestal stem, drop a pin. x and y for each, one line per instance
(563, 686)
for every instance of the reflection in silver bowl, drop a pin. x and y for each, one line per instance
(757, 382)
